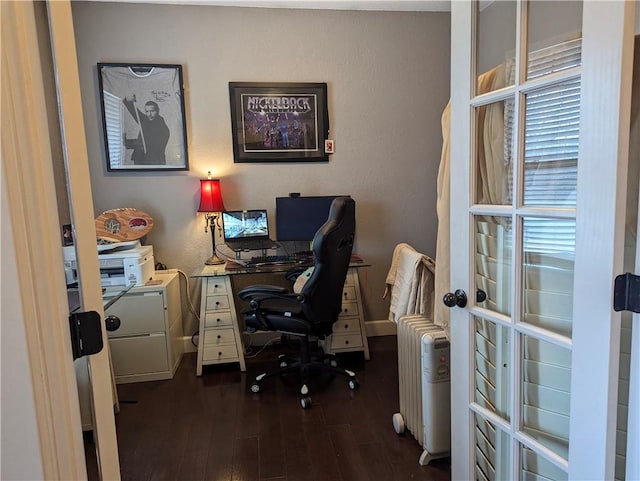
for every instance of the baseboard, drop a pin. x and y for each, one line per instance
(187, 345)
(383, 327)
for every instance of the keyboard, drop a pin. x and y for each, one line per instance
(258, 261)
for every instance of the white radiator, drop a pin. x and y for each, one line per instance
(423, 378)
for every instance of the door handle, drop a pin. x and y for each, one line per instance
(481, 296)
(459, 298)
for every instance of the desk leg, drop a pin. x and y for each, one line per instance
(203, 306)
(217, 303)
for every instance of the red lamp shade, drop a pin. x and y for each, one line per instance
(210, 196)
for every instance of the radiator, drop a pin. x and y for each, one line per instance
(423, 378)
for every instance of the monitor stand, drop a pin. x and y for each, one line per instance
(263, 253)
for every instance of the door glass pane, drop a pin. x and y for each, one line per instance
(496, 41)
(548, 265)
(552, 124)
(492, 451)
(536, 468)
(554, 33)
(494, 134)
(493, 261)
(546, 393)
(492, 367)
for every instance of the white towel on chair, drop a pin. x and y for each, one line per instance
(410, 282)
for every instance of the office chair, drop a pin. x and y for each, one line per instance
(313, 310)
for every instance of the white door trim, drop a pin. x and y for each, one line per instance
(607, 65)
(461, 373)
(81, 202)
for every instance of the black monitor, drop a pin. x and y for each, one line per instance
(299, 218)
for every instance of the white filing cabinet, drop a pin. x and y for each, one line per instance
(349, 332)
(148, 344)
(219, 338)
(151, 325)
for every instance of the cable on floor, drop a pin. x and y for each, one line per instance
(247, 349)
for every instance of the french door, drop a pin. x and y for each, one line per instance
(539, 123)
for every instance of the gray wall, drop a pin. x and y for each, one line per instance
(388, 81)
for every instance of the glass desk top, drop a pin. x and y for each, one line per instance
(230, 268)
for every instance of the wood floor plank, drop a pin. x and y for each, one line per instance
(270, 442)
(375, 461)
(323, 463)
(246, 465)
(348, 456)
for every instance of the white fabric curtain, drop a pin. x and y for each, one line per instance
(493, 175)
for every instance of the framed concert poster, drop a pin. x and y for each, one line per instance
(279, 122)
(143, 116)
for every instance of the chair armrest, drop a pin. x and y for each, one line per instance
(257, 294)
(251, 291)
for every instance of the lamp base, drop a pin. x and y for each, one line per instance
(214, 260)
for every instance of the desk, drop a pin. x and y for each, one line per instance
(219, 339)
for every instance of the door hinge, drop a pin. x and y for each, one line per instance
(626, 293)
(86, 333)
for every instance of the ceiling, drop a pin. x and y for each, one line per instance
(382, 5)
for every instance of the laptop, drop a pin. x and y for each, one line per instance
(246, 229)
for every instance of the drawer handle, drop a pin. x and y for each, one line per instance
(219, 354)
(345, 295)
(112, 323)
(346, 342)
(217, 303)
(345, 310)
(346, 326)
(218, 320)
(219, 336)
(215, 286)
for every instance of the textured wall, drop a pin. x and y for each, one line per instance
(388, 81)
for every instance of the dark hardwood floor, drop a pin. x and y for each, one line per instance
(213, 428)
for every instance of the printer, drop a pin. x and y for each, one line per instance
(121, 264)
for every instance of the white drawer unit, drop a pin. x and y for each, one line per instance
(349, 332)
(147, 346)
(219, 338)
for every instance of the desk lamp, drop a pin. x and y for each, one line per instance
(211, 204)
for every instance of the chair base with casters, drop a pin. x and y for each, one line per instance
(304, 364)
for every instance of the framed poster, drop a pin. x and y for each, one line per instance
(143, 116)
(279, 122)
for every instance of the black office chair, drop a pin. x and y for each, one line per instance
(313, 310)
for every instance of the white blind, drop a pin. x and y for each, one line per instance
(552, 122)
(552, 117)
(114, 128)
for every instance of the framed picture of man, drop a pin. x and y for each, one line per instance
(143, 116)
(279, 122)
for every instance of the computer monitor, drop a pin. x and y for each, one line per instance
(299, 218)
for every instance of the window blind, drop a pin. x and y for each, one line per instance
(114, 128)
(552, 122)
